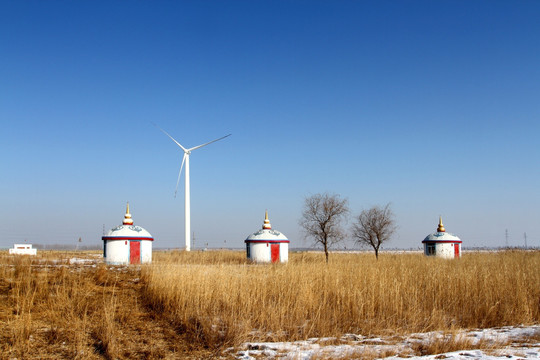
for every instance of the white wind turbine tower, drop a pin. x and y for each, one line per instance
(187, 205)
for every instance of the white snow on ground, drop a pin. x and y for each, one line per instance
(498, 343)
(80, 261)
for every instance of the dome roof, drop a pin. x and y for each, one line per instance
(128, 231)
(131, 231)
(267, 234)
(441, 235)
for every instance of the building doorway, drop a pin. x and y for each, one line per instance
(134, 252)
(274, 250)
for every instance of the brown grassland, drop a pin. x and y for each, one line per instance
(195, 305)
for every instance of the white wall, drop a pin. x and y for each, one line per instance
(146, 251)
(117, 252)
(444, 250)
(23, 249)
(284, 252)
(261, 252)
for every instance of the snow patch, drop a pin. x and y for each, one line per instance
(522, 345)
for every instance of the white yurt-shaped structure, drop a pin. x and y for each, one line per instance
(127, 244)
(267, 245)
(442, 244)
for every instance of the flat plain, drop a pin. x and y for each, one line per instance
(211, 304)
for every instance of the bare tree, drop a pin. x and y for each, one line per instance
(321, 219)
(374, 226)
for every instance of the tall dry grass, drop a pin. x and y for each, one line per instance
(212, 257)
(47, 305)
(53, 308)
(50, 309)
(222, 303)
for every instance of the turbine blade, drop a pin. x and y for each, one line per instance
(180, 173)
(200, 146)
(177, 143)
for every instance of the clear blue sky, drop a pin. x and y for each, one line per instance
(433, 106)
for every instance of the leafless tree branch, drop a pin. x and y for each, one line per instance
(374, 226)
(321, 220)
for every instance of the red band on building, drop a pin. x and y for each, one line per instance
(126, 238)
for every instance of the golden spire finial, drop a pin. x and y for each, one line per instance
(266, 224)
(440, 228)
(127, 217)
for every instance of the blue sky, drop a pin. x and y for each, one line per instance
(430, 105)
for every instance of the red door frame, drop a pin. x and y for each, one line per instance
(456, 250)
(274, 251)
(134, 252)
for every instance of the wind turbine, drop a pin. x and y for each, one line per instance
(187, 204)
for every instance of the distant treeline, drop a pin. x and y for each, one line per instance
(67, 247)
(353, 250)
(299, 249)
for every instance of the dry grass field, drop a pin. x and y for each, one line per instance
(51, 309)
(195, 305)
(223, 303)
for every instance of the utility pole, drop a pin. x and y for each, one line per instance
(193, 241)
(506, 236)
(525, 237)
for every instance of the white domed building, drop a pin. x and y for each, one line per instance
(127, 244)
(267, 245)
(442, 244)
